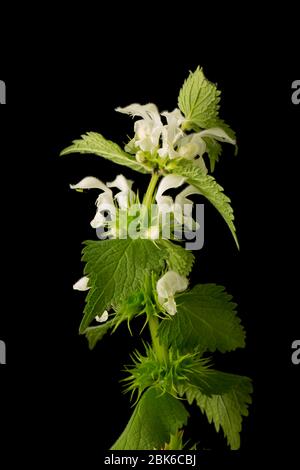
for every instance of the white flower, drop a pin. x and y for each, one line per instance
(105, 201)
(171, 133)
(103, 318)
(166, 288)
(126, 196)
(184, 206)
(181, 208)
(182, 199)
(165, 203)
(82, 284)
(90, 183)
(148, 129)
(193, 145)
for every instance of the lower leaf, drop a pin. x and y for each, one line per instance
(156, 417)
(225, 410)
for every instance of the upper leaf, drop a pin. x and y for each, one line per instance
(95, 143)
(206, 318)
(154, 419)
(227, 409)
(209, 188)
(117, 269)
(199, 100)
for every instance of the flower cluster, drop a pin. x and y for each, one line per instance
(123, 216)
(168, 140)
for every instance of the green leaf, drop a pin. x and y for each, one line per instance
(213, 147)
(208, 187)
(198, 100)
(214, 150)
(96, 333)
(206, 318)
(212, 382)
(95, 143)
(226, 410)
(117, 269)
(156, 417)
(179, 259)
(223, 125)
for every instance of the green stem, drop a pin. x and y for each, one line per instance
(161, 351)
(150, 190)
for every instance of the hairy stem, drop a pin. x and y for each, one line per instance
(161, 351)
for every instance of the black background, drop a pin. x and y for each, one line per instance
(57, 396)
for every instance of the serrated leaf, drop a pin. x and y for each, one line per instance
(155, 418)
(179, 259)
(223, 125)
(213, 147)
(226, 410)
(96, 333)
(212, 382)
(117, 269)
(208, 187)
(214, 150)
(198, 100)
(95, 143)
(206, 318)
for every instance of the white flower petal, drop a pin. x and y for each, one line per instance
(191, 146)
(98, 221)
(82, 284)
(103, 317)
(121, 183)
(170, 306)
(170, 283)
(181, 198)
(168, 182)
(126, 195)
(165, 204)
(166, 288)
(105, 201)
(89, 183)
(145, 111)
(148, 129)
(218, 134)
(125, 199)
(171, 134)
(174, 117)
